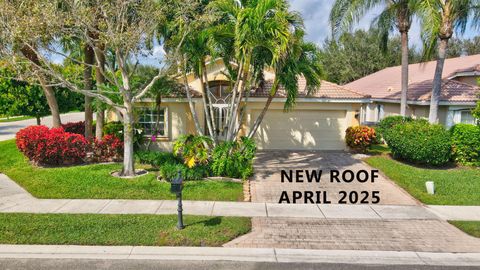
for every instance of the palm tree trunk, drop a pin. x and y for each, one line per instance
(212, 116)
(100, 112)
(32, 56)
(437, 82)
(190, 103)
(259, 120)
(403, 99)
(205, 106)
(88, 83)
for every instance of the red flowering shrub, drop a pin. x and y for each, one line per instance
(74, 127)
(360, 137)
(110, 148)
(51, 146)
(29, 138)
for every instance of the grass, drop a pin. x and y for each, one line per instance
(15, 118)
(453, 186)
(95, 182)
(94, 229)
(469, 227)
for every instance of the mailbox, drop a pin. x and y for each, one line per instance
(177, 183)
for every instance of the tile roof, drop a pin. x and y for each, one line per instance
(326, 90)
(386, 83)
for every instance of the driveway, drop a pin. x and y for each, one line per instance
(9, 129)
(266, 185)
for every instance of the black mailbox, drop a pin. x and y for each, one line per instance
(177, 183)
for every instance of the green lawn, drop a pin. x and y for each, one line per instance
(15, 118)
(144, 230)
(94, 181)
(470, 227)
(455, 186)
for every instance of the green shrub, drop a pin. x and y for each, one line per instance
(116, 128)
(170, 170)
(194, 150)
(420, 142)
(389, 122)
(360, 137)
(234, 159)
(466, 144)
(156, 158)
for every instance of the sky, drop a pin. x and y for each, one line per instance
(316, 12)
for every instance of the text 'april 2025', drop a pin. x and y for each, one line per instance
(345, 177)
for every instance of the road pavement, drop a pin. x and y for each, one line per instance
(9, 129)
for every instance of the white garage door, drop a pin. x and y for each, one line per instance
(302, 129)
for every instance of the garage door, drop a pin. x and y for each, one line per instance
(302, 129)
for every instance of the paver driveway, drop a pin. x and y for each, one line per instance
(266, 185)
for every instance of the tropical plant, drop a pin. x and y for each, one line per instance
(395, 14)
(194, 150)
(234, 159)
(360, 138)
(439, 19)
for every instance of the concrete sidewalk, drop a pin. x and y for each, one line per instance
(239, 254)
(13, 198)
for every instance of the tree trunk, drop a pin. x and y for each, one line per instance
(190, 103)
(403, 99)
(100, 112)
(128, 159)
(52, 101)
(259, 120)
(47, 89)
(209, 100)
(205, 106)
(437, 82)
(39, 121)
(87, 78)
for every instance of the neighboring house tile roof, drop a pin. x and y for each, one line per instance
(326, 90)
(386, 83)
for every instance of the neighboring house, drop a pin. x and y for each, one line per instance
(459, 91)
(318, 121)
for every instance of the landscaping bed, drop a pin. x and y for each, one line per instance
(95, 182)
(469, 227)
(138, 230)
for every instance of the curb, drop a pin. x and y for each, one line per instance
(239, 254)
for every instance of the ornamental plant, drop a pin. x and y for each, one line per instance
(388, 122)
(74, 127)
(51, 146)
(109, 148)
(234, 159)
(466, 144)
(360, 138)
(193, 149)
(420, 142)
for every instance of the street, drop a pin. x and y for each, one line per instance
(88, 264)
(9, 129)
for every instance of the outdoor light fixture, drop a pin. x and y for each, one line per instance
(176, 187)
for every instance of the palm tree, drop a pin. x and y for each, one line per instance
(440, 18)
(396, 14)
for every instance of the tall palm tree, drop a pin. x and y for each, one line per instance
(440, 18)
(396, 14)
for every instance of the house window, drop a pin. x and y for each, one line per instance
(466, 117)
(153, 121)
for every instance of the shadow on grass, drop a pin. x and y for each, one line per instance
(214, 221)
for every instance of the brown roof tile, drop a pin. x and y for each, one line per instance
(327, 90)
(386, 83)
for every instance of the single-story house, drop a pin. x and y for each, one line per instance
(459, 93)
(319, 120)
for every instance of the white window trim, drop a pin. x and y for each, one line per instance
(165, 121)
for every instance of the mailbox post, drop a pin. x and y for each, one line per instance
(176, 187)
